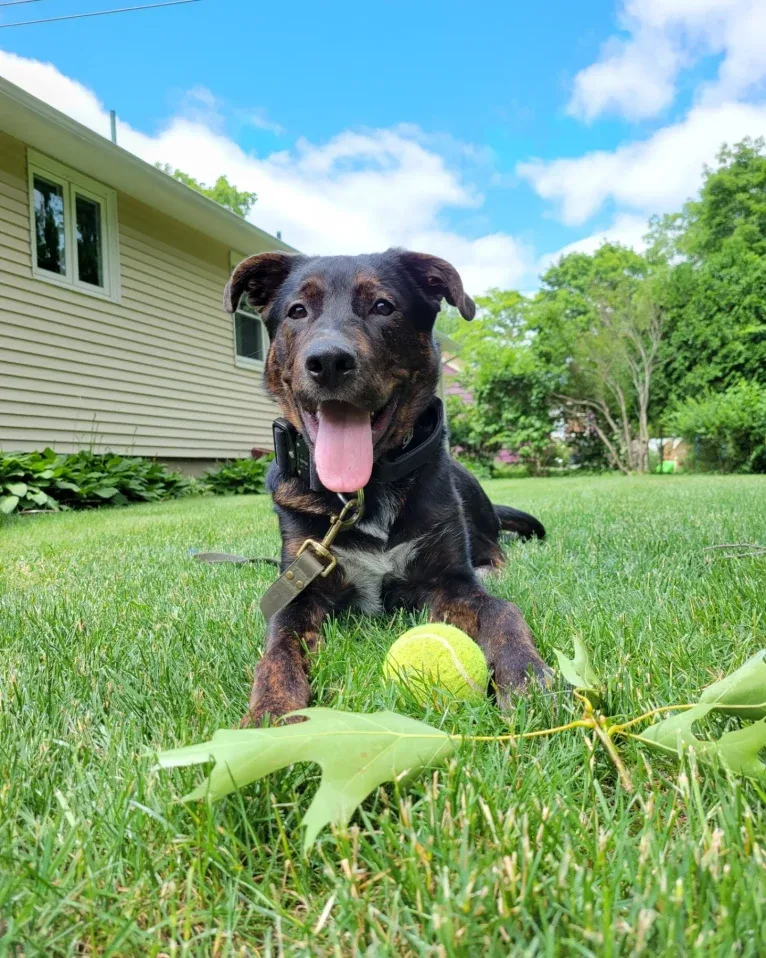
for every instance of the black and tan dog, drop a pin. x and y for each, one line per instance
(354, 366)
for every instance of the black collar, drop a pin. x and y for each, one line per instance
(294, 457)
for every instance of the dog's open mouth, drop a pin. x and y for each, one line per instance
(344, 437)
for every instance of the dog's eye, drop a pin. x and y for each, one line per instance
(383, 308)
(297, 312)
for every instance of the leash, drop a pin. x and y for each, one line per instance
(294, 460)
(215, 558)
(314, 559)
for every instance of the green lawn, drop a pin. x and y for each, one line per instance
(115, 643)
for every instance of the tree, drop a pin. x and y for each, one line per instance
(222, 192)
(510, 389)
(599, 322)
(716, 306)
(732, 203)
(610, 375)
(716, 324)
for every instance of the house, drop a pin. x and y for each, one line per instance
(452, 367)
(674, 453)
(112, 332)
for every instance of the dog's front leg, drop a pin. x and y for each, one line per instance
(497, 626)
(281, 677)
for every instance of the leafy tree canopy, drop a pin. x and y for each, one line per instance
(222, 192)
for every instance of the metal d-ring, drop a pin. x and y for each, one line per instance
(354, 505)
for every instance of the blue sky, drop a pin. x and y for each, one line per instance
(496, 134)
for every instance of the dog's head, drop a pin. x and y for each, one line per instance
(352, 359)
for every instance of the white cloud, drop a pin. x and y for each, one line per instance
(259, 118)
(360, 191)
(626, 229)
(636, 75)
(654, 175)
(634, 78)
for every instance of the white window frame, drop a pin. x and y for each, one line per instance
(73, 183)
(245, 362)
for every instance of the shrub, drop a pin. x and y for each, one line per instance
(728, 429)
(45, 480)
(240, 477)
(481, 470)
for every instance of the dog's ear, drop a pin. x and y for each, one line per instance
(259, 276)
(439, 280)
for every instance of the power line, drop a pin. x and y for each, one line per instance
(97, 13)
(15, 3)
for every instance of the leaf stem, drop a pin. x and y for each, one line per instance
(606, 741)
(618, 729)
(580, 723)
(647, 741)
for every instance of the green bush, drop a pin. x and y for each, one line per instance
(240, 477)
(728, 429)
(481, 470)
(46, 480)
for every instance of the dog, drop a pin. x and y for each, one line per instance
(353, 364)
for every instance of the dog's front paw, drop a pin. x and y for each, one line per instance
(255, 718)
(513, 671)
(264, 718)
(281, 686)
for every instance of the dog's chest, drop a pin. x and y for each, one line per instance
(366, 568)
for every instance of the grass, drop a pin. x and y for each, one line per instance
(114, 643)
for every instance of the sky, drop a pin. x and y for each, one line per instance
(495, 134)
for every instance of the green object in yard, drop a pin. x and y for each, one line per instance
(438, 656)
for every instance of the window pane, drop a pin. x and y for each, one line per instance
(90, 257)
(249, 335)
(49, 226)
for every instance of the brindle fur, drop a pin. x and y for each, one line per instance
(437, 521)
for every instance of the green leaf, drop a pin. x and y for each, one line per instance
(65, 484)
(578, 671)
(16, 488)
(739, 750)
(40, 498)
(105, 492)
(356, 753)
(743, 693)
(8, 504)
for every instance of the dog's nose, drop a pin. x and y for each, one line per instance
(329, 364)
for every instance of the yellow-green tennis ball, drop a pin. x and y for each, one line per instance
(441, 656)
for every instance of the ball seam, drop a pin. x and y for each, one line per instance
(455, 660)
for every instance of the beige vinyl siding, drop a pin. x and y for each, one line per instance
(152, 374)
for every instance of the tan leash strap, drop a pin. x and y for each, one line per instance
(216, 557)
(314, 559)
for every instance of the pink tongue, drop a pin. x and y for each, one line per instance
(343, 448)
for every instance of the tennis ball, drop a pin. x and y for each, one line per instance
(438, 655)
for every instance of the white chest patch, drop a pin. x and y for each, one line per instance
(385, 516)
(366, 571)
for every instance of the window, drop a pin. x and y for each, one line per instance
(74, 228)
(249, 335)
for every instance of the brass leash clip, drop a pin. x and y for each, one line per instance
(350, 514)
(313, 559)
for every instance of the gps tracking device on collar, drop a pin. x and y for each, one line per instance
(290, 449)
(293, 455)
